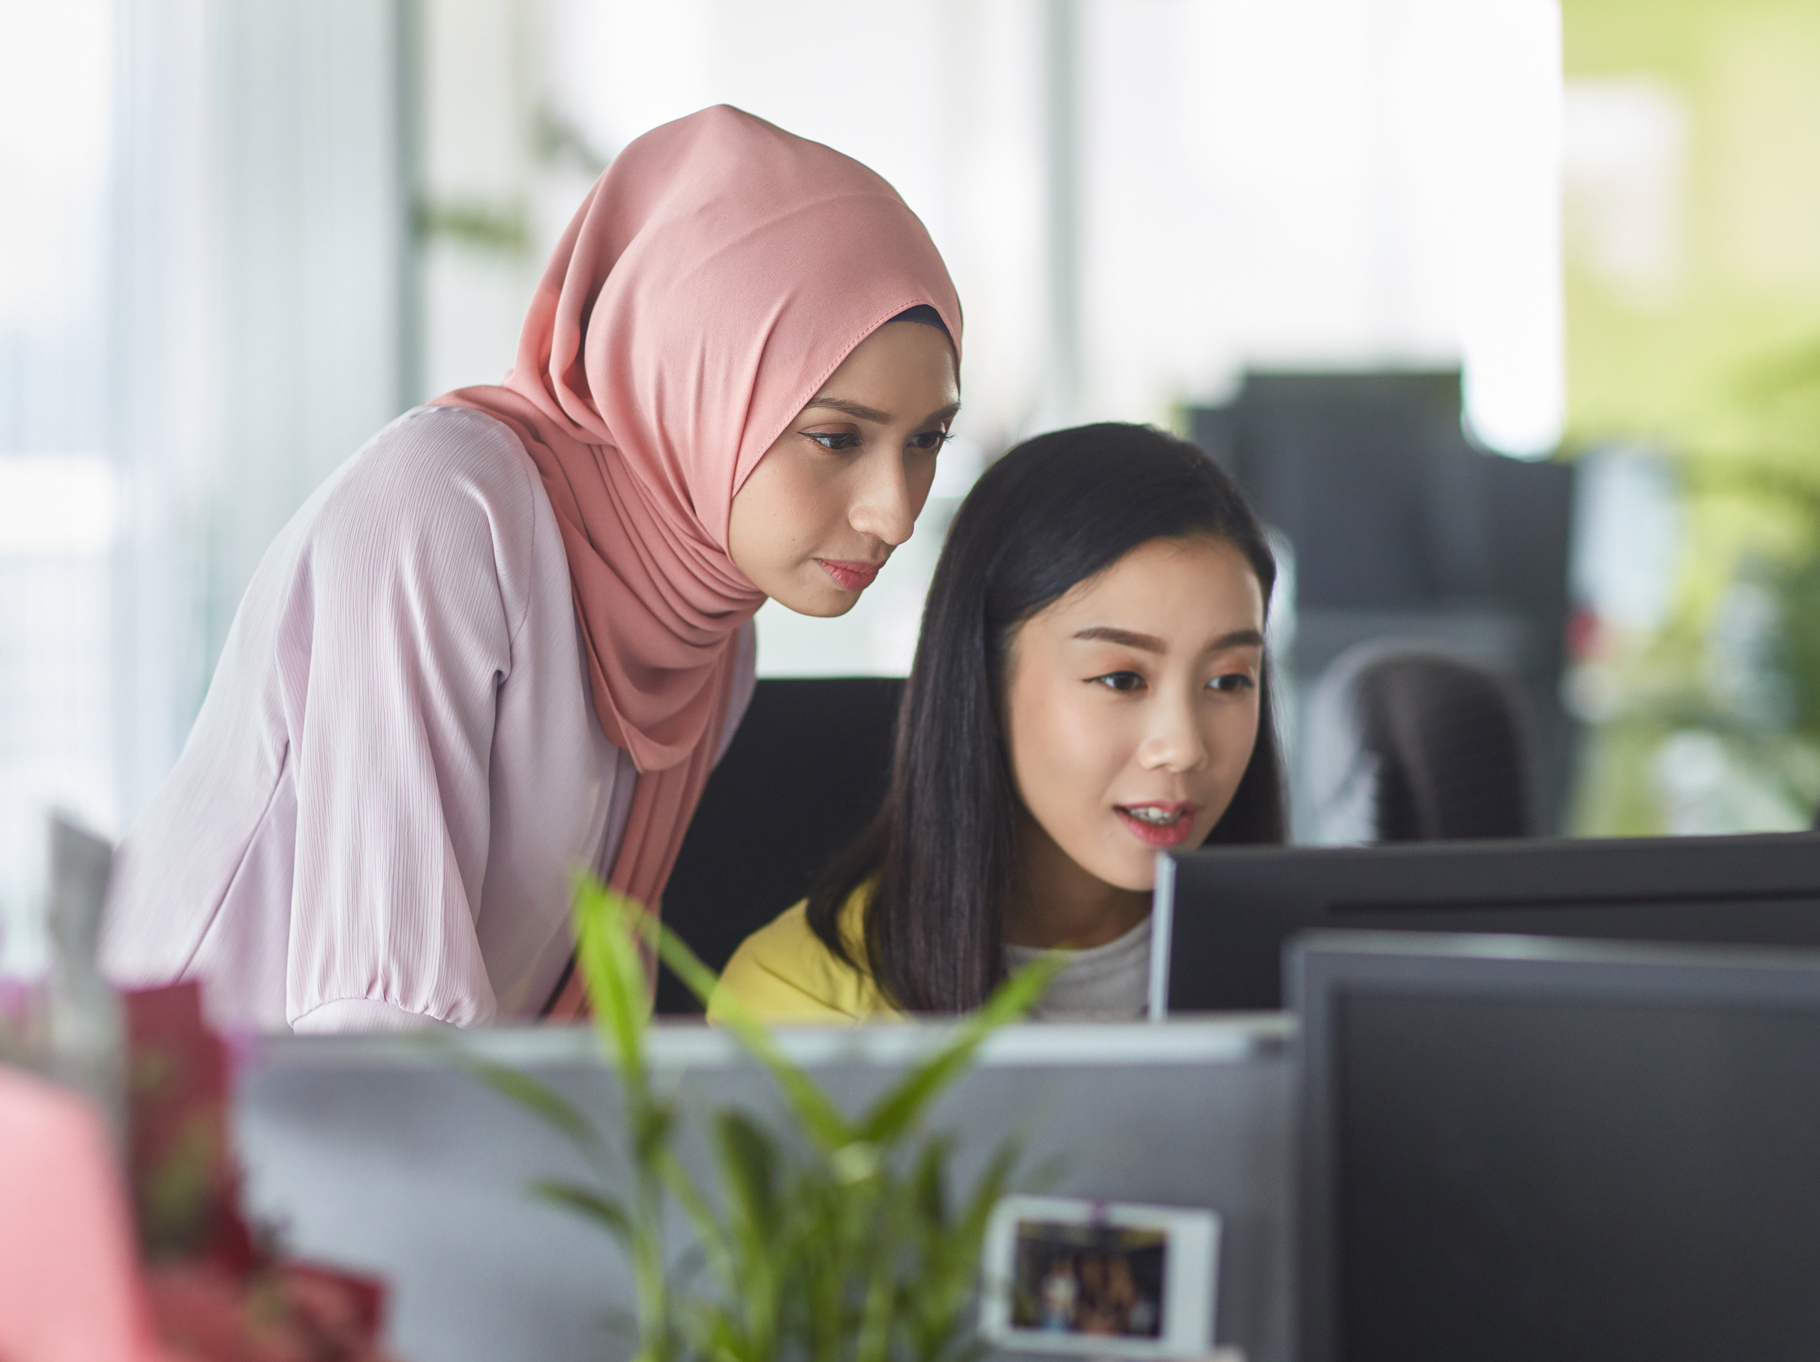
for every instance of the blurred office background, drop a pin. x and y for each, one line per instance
(1526, 295)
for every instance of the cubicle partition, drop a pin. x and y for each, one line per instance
(383, 1154)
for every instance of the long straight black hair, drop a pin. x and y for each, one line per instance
(1053, 512)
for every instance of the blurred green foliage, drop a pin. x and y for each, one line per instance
(1737, 664)
(1702, 347)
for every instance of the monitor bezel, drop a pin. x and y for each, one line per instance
(1278, 886)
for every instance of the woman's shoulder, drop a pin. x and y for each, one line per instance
(446, 495)
(784, 972)
(435, 458)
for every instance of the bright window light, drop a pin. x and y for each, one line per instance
(1503, 147)
(51, 504)
(54, 109)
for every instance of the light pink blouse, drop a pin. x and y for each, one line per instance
(398, 764)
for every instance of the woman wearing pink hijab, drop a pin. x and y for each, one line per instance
(510, 637)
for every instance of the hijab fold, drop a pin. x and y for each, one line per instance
(715, 276)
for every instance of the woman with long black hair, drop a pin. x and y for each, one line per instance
(1090, 688)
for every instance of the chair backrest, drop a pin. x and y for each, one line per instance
(1449, 739)
(1404, 741)
(804, 773)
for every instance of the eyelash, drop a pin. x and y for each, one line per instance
(837, 441)
(1243, 681)
(1110, 679)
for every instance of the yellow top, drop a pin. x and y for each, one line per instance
(783, 973)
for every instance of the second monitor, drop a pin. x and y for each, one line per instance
(1223, 916)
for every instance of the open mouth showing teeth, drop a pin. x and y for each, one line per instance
(1157, 818)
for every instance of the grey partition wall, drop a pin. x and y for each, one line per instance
(381, 1154)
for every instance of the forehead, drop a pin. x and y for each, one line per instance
(899, 359)
(1170, 588)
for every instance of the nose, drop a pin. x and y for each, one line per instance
(883, 506)
(1173, 741)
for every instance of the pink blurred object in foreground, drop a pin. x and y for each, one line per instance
(221, 1291)
(70, 1289)
(71, 1285)
(290, 1312)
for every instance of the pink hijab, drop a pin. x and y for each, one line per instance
(715, 276)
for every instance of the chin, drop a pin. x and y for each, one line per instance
(819, 605)
(1143, 883)
(1132, 876)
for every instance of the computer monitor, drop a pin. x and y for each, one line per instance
(383, 1155)
(1223, 916)
(1516, 1149)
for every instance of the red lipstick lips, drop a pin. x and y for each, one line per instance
(1158, 824)
(850, 574)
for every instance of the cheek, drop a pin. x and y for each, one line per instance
(920, 478)
(780, 510)
(1066, 750)
(1231, 734)
(1236, 736)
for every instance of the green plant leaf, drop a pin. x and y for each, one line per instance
(749, 1162)
(709, 1233)
(950, 1250)
(852, 1253)
(929, 1183)
(822, 1120)
(606, 952)
(854, 1163)
(872, 1342)
(651, 1122)
(904, 1103)
(540, 1099)
(598, 1206)
(971, 1226)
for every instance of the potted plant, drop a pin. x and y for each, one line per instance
(835, 1239)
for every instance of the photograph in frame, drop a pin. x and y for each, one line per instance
(1109, 1279)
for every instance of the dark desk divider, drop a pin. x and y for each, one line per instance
(380, 1155)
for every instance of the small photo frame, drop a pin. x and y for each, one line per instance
(1103, 1278)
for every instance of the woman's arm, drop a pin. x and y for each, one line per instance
(398, 637)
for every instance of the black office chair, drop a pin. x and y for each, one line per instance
(805, 772)
(1449, 739)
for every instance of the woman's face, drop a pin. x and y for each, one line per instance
(844, 484)
(1132, 705)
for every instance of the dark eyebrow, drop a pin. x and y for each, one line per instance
(859, 411)
(1238, 638)
(855, 409)
(1101, 633)
(1149, 643)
